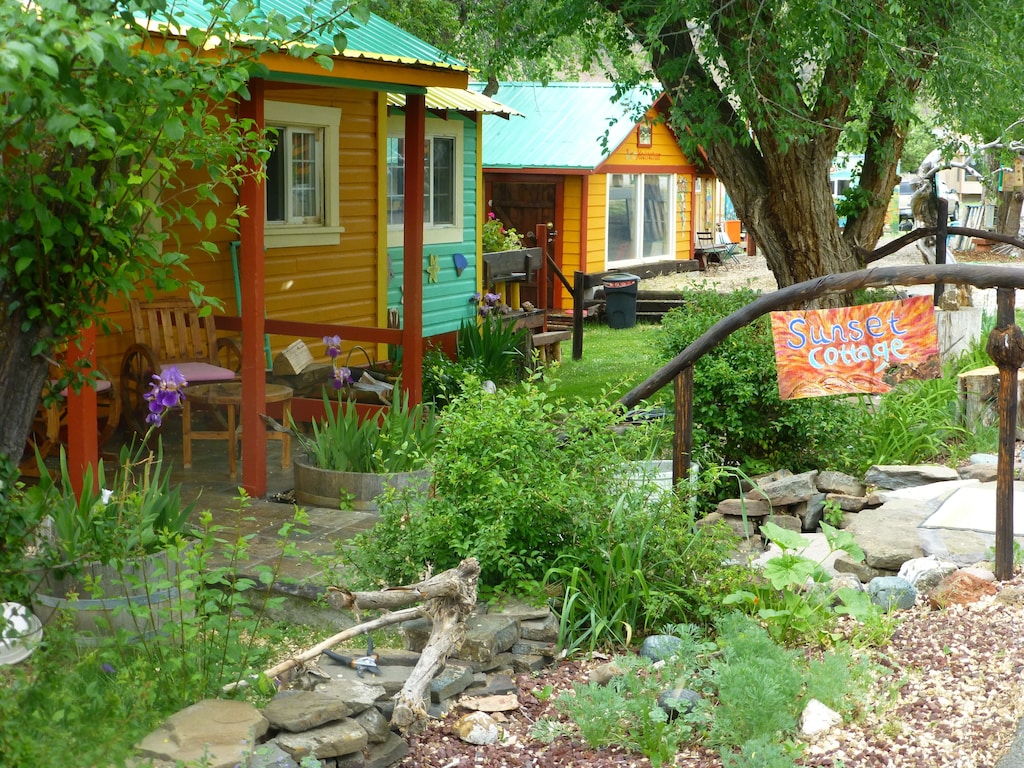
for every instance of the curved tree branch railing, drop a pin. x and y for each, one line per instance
(1006, 347)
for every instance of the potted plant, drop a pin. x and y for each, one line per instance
(108, 557)
(353, 454)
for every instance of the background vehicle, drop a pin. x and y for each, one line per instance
(906, 191)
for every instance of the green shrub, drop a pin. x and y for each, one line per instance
(517, 480)
(739, 419)
(653, 566)
(625, 712)
(759, 684)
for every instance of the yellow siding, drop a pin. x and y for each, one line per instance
(597, 204)
(663, 152)
(328, 284)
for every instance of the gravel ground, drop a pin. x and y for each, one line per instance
(950, 697)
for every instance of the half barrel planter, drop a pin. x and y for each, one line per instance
(331, 489)
(141, 598)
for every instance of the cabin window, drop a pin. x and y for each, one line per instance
(295, 176)
(302, 176)
(438, 181)
(442, 182)
(639, 216)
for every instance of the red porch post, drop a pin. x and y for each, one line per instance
(251, 271)
(82, 448)
(412, 328)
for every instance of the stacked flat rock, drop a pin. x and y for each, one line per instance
(329, 713)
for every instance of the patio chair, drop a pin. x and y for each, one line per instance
(50, 424)
(732, 250)
(170, 332)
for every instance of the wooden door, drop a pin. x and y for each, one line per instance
(522, 205)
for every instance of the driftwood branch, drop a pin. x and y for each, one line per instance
(445, 584)
(448, 614)
(316, 650)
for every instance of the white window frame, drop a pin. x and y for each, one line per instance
(669, 224)
(325, 122)
(435, 234)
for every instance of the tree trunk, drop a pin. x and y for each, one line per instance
(1008, 212)
(22, 375)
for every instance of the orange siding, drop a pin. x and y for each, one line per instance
(329, 284)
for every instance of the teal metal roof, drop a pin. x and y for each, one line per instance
(568, 125)
(377, 39)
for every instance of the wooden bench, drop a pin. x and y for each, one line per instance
(548, 345)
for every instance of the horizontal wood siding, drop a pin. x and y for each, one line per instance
(446, 303)
(597, 215)
(569, 232)
(326, 284)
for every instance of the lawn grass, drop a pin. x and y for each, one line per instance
(614, 361)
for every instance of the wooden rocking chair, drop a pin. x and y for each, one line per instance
(171, 332)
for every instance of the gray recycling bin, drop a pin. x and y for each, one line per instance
(620, 299)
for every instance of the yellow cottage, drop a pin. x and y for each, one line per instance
(607, 174)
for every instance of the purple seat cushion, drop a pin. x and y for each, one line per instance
(202, 373)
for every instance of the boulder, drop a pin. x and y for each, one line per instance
(216, 731)
(896, 476)
(831, 481)
(889, 592)
(787, 490)
(960, 588)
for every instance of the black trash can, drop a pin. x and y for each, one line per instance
(620, 299)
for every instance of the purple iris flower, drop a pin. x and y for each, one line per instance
(333, 344)
(165, 392)
(342, 377)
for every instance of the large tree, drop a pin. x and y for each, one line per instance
(770, 91)
(98, 119)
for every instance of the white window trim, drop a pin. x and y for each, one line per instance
(669, 224)
(444, 233)
(280, 235)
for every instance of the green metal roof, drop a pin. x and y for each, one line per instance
(565, 127)
(377, 39)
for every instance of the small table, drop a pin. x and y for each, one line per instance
(229, 394)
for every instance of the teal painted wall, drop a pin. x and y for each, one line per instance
(446, 303)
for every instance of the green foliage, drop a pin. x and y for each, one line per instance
(496, 238)
(101, 130)
(739, 419)
(492, 349)
(220, 635)
(625, 712)
(758, 682)
(919, 421)
(793, 601)
(18, 524)
(141, 513)
(652, 566)
(396, 439)
(517, 481)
